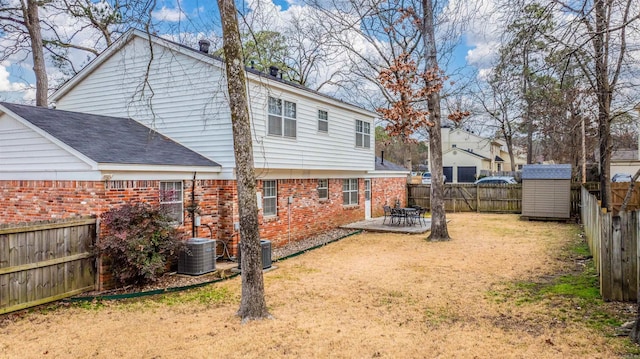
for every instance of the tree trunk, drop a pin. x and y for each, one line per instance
(32, 23)
(252, 304)
(439, 231)
(406, 154)
(527, 111)
(604, 103)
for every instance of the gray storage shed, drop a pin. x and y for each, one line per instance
(546, 191)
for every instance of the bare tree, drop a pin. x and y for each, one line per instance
(30, 29)
(252, 304)
(597, 38)
(439, 231)
(22, 21)
(497, 101)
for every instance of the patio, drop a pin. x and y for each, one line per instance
(375, 225)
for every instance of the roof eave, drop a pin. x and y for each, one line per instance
(124, 167)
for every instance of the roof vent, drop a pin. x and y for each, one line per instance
(204, 46)
(273, 71)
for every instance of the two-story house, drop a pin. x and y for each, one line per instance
(314, 155)
(465, 155)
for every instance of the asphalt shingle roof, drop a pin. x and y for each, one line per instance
(107, 139)
(388, 166)
(546, 172)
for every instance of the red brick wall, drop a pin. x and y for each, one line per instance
(25, 201)
(308, 215)
(385, 191)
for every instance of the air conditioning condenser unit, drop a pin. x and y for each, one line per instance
(199, 257)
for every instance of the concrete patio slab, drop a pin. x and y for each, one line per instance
(375, 225)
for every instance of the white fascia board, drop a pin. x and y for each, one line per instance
(93, 164)
(156, 176)
(117, 167)
(391, 174)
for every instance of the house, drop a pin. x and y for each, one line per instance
(56, 164)
(466, 154)
(314, 155)
(625, 161)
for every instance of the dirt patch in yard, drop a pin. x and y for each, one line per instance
(366, 296)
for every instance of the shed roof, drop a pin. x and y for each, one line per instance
(106, 139)
(546, 172)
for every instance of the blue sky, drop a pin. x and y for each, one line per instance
(16, 75)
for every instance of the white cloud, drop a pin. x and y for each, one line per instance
(170, 15)
(6, 85)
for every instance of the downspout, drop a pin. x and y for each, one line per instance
(193, 206)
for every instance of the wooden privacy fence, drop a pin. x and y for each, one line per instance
(498, 198)
(459, 197)
(44, 262)
(613, 242)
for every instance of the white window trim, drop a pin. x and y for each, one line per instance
(180, 199)
(362, 134)
(323, 120)
(350, 191)
(282, 117)
(265, 197)
(325, 188)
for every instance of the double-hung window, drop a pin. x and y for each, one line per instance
(270, 198)
(323, 121)
(323, 188)
(350, 191)
(171, 200)
(282, 118)
(363, 134)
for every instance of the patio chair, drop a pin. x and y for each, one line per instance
(387, 214)
(419, 215)
(399, 215)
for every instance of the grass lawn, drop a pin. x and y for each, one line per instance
(501, 288)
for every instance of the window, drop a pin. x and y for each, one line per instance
(350, 191)
(363, 134)
(323, 121)
(282, 118)
(323, 189)
(270, 198)
(171, 200)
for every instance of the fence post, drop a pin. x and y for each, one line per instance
(617, 281)
(605, 257)
(629, 262)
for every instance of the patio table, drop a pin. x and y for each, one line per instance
(403, 216)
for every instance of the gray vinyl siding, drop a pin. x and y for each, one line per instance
(187, 101)
(546, 198)
(24, 150)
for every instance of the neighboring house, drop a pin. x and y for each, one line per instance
(625, 161)
(466, 154)
(314, 155)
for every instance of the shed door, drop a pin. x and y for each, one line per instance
(466, 174)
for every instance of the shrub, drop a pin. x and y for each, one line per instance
(140, 241)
